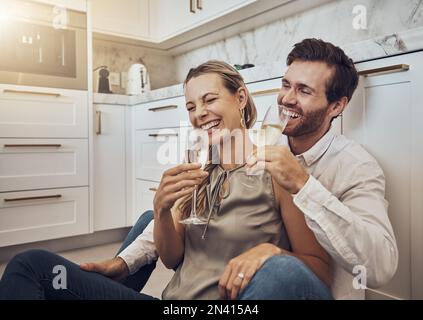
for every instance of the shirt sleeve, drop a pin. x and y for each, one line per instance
(142, 251)
(353, 227)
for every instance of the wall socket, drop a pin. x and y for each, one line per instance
(114, 78)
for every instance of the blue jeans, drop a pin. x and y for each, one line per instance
(29, 275)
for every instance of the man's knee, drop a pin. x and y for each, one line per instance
(144, 219)
(280, 277)
(29, 258)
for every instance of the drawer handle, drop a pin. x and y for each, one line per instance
(268, 91)
(200, 4)
(191, 6)
(98, 128)
(388, 69)
(155, 135)
(153, 189)
(32, 145)
(56, 95)
(163, 108)
(55, 196)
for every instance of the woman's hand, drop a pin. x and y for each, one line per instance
(246, 264)
(282, 166)
(176, 183)
(115, 268)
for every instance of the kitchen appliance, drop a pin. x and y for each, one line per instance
(42, 45)
(138, 80)
(101, 80)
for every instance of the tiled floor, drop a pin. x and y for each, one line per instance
(154, 286)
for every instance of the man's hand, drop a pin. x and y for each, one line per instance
(282, 166)
(246, 265)
(115, 268)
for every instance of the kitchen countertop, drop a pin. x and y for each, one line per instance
(407, 41)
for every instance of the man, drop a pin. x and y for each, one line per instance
(334, 182)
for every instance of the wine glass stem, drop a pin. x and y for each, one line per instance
(194, 203)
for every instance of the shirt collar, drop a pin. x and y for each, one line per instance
(318, 149)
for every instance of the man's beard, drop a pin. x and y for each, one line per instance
(309, 123)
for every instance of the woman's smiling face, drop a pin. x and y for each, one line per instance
(212, 107)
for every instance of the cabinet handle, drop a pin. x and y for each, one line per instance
(262, 92)
(98, 128)
(388, 69)
(32, 145)
(191, 6)
(163, 108)
(153, 189)
(155, 135)
(54, 196)
(200, 4)
(32, 92)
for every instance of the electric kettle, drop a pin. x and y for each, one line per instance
(138, 80)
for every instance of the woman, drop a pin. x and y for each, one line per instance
(256, 244)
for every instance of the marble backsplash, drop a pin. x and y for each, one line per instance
(118, 57)
(392, 27)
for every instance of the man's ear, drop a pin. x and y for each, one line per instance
(338, 107)
(242, 97)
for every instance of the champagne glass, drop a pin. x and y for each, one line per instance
(196, 151)
(272, 127)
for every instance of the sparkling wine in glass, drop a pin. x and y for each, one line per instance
(196, 151)
(272, 127)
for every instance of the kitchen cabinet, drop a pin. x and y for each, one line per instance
(175, 17)
(385, 116)
(109, 167)
(78, 5)
(44, 184)
(123, 18)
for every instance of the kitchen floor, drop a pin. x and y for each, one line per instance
(154, 287)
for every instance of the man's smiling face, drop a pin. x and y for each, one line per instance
(303, 93)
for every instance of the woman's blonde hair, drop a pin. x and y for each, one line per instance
(232, 81)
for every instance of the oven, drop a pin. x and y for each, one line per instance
(42, 45)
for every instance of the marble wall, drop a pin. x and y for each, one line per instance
(386, 21)
(118, 57)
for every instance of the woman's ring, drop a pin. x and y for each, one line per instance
(241, 275)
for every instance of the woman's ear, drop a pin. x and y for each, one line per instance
(242, 97)
(338, 107)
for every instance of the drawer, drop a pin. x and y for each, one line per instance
(31, 112)
(166, 113)
(144, 196)
(156, 151)
(265, 93)
(43, 214)
(28, 164)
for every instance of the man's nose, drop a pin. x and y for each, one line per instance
(289, 97)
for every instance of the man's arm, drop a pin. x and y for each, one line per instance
(141, 251)
(353, 227)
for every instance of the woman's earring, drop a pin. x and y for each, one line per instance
(242, 118)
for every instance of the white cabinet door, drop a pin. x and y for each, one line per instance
(38, 215)
(386, 117)
(156, 151)
(144, 195)
(35, 112)
(27, 164)
(109, 168)
(172, 17)
(126, 18)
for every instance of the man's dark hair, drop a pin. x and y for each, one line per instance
(344, 80)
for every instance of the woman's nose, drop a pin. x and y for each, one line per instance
(200, 111)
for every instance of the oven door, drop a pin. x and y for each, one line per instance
(45, 47)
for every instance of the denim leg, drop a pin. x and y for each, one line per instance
(285, 278)
(33, 275)
(138, 280)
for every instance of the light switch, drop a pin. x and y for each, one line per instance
(114, 78)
